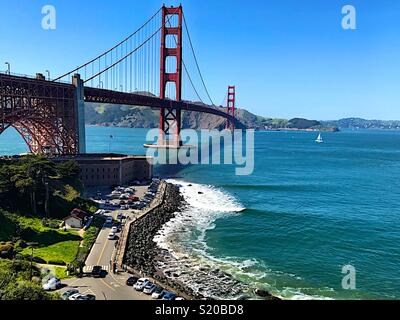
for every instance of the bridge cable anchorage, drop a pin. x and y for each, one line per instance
(195, 59)
(128, 55)
(187, 73)
(110, 50)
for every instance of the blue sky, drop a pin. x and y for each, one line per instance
(288, 58)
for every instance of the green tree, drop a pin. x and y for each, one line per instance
(68, 169)
(30, 175)
(25, 291)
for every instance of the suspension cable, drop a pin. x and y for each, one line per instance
(195, 58)
(128, 55)
(117, 45)
(187, 72)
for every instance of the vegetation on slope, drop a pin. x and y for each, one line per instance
(358, 123)
(16, 284)
(34, 185)
(35, 194)
(142, 117)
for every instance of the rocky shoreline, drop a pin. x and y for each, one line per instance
(143, 254)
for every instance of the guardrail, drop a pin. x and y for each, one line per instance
(119, 253)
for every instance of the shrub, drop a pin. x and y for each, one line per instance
(56, 262)
(26, 291)
(38, 260)
(6, 249)
(27, 233)
(52, 224)
(20, 244)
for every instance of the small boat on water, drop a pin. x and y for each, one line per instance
(319, 139)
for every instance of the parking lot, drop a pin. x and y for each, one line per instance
(106, 285)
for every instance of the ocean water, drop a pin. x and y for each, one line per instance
(307, 210)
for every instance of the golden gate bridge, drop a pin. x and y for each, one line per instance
(150, 68)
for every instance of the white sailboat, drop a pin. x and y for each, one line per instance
(319, 139)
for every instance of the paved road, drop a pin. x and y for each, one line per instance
(102, 250)
(113, 286)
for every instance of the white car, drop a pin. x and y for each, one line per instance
(149, 288)
(114, 229)
(140, 284)
(111, 236)
(75, 297)
(52, 284)
(157, 293)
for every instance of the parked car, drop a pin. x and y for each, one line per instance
(67, 294)
(109, 220)
(149, 288)
(86, 297)
(74, 297)
(97, 271)
(52, 284)
(140, 284)
(111, 236)
(169, 296)
(115, 195)
(179, 299)
(120, 216)
(132, 281)
(114, 229)
(158, 293)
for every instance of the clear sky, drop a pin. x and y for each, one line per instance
(288, 58)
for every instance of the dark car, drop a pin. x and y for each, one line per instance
(169, 296)
(87, 297)
(131, 281)
(68, 293)
(97, 272)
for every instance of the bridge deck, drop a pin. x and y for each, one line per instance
(134, 99)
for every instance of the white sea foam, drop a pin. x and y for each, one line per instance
(206, 204)
(193, 263)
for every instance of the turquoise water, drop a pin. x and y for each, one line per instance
(310, 209)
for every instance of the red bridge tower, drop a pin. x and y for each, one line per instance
(230, 106)
(171, 118)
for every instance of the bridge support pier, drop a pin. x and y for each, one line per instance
(171, 118)
(80, 105)
(230, 107)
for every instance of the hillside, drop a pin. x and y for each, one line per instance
(358, 123)
(142, 117)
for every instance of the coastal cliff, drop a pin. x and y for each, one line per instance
(142, 117)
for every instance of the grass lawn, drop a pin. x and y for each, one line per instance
(59, 252)
(54, 245)
(57, 271)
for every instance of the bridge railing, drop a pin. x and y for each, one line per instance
(17, 74)
(28, 76)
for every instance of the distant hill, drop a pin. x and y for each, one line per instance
(358, 123)
(142, 117)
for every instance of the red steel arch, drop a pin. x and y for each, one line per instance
(44, 113)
